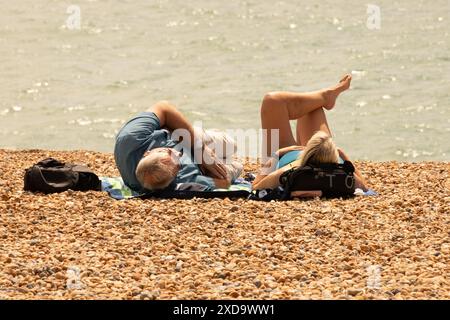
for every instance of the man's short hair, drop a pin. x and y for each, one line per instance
(156, 171)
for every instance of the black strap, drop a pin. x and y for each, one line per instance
(188, 194)
(189, 190)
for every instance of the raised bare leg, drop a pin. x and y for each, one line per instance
(332, 93)
(279, 107)
(316, 120)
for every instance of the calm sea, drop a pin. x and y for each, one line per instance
(71, 72)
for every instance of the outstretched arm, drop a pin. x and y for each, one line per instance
(272, 180)
(360, 182)
(269, 166)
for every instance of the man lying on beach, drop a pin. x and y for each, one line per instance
(160, 146)
(313, 144)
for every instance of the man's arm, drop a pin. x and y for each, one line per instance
(171, 118)
(222, 183)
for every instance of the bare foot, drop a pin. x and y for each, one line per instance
(332, 93)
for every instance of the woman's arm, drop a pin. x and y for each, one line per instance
(359, 180)
(272, 180)
(266, 169)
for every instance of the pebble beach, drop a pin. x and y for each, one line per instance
(86, 245)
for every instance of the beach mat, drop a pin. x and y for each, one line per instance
(117, 189)
(241, 188)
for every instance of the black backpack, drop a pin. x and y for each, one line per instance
(51, 175)
(333, 179)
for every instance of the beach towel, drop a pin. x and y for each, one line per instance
(117, 189)
(241, 188)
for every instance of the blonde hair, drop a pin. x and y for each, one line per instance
(156, 171)
(319, 149)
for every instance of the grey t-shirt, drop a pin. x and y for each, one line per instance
(143, 133)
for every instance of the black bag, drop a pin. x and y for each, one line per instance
(190, 190)
(333, 179)
(51, 175)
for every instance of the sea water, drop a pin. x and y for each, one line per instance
(72, 72)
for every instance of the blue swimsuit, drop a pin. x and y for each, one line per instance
(291, 156)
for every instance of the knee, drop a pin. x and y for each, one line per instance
(165, 103)
(271, 97)
(269, 103)
(161, 104)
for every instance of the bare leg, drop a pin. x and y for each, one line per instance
(310, 124)
(279, 107)
(316, 120)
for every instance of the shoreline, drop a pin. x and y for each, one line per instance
(251, 159)
(225, 249)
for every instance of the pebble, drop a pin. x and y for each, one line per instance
(60, 276)
(137, 276)
(235, 251)
(234, 208)
(257, 283)
(222, 249)
(354, 292)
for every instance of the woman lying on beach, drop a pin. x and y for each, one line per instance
(313, 144)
